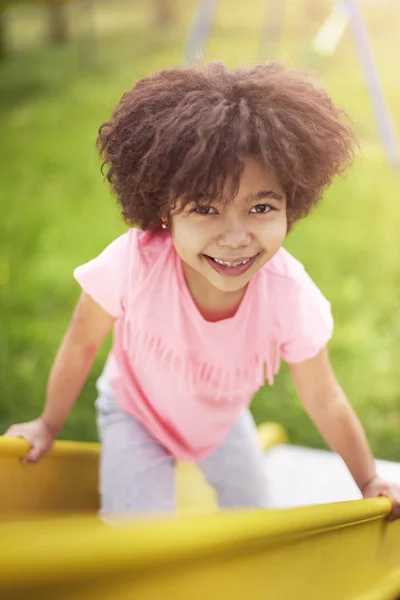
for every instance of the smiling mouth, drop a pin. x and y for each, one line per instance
(231, 267)
(231, 263)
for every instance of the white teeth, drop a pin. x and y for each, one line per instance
(231, 264)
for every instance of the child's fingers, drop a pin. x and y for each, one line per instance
(394, 515)
(33, 453)
(13, 432)
(396, 505)
(17, 433)
(32, 456)
(394, 496)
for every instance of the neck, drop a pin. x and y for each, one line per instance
(212, 303)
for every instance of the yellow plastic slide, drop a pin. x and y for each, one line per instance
(52, 546)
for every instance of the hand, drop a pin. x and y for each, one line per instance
(38, 434)
(380, 487)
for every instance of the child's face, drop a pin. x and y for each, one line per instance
(243, 234)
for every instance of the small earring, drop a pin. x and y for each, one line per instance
(163, 225)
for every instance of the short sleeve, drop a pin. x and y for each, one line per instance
(103, 277)
(307, 321)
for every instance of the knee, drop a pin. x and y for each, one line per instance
(250, 491)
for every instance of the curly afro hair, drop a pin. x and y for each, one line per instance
(182, 135)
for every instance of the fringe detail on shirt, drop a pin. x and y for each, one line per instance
(226, 384)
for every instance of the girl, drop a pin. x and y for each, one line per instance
(214, 167)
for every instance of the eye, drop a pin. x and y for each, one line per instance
(205, 210)
(261, 209)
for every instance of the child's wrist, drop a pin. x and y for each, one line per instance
(367, 482)
(52, 428)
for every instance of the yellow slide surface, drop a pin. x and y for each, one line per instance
(52, 545)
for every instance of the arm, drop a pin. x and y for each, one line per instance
(89, 326)
(326, 404)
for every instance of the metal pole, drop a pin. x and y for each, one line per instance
(381, 110)
(199, 30)
(273, 28)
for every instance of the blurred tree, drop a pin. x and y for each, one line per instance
(2, 32)
(58, 22)
(163, 12)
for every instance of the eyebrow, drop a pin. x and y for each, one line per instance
(264, 194)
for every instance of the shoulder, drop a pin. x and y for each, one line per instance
(128, 262)
(136, 247)
(153, 247)
(152, 242)
(284, 270)
(134, 251)
(300, 313)
(288, 285)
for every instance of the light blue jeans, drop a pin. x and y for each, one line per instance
(137, 472)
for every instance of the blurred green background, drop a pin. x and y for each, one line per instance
(56, 211)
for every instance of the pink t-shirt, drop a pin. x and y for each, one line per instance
(184, 378)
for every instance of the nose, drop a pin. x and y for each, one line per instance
(234, 235)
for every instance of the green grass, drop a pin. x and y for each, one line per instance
(56, 211)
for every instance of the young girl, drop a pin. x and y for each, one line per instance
(215, 167)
